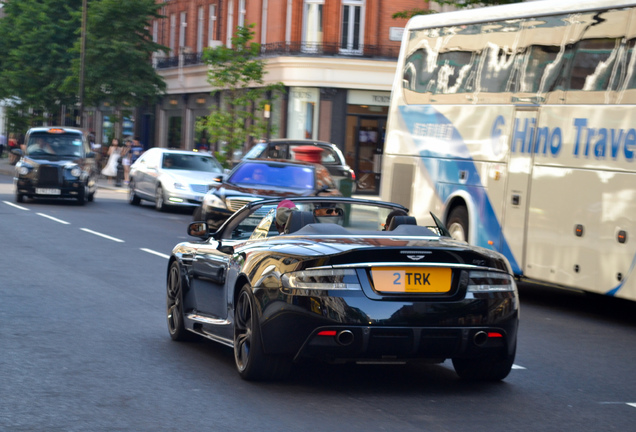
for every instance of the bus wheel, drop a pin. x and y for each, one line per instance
(458, 223)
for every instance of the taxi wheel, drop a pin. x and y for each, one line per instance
(174, 310)
(19, 197)
(487, 368)
(82, 195)
(251, 361)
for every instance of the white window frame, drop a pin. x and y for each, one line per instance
(241, 14)
(351, 6)
(313, 30)
(200, 28)
(212, 24)
(183, 24)
(173, 28)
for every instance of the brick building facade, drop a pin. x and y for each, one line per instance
(337, 59)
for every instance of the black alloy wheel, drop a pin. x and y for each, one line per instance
(82, 195)
(492, 367)
(251, 361)
(174, 300)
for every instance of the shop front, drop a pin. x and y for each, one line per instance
(364, 137)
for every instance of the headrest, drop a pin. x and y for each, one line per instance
(297, 220)
(401, 220)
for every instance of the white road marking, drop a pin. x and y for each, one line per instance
(514, 366)
(15, 205)
(102, 235)
(150, 251)
(53, 219)
(632, 404)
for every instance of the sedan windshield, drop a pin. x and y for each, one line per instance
(285, 176)
(191, 162)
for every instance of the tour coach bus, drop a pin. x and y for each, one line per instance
(518, 124)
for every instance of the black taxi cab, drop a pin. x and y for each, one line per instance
(55, 162)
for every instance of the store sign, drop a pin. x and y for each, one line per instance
(395, 33)
(371, 98)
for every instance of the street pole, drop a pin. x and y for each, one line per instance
(82, 61)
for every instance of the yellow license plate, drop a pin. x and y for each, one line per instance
(412, 279)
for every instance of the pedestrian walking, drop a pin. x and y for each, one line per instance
(114, 153)
(126, 159)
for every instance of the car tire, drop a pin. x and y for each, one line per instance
(91, 197)
(174, 306)
(133, 198)
(458, 223)
(488, 368)
(19, 197)
(160, 202)
(82, 195)
(251, 361)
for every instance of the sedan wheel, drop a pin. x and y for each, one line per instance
(176, 326)
(133, 198)
(251, 361)
(160, 203)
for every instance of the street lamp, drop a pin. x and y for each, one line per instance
(82, 61)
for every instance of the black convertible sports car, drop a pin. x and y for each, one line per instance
(338, 282)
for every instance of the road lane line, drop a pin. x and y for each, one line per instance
(15, 205)
(102, 235)
(514, 366)
(632, 404)
(53, 219)
(150, 251)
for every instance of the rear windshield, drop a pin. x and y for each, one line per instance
(191, 162)
(54, 144)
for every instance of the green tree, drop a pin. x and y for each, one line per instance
(118, 50)
(35, 37)
(456, 3)
(238, 74)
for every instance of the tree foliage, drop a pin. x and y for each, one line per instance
(237, 73)
(456, 3)
(35, 37)
(118, 52)
(40, 53)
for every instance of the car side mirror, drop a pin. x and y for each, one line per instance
(90, 155)
(17, 151)
(219, 178)
(199, 229)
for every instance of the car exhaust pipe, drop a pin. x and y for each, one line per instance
(480, 338)
(345, 337)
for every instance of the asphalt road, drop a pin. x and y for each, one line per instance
(84, 347)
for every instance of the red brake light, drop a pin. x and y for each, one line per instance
(494, 335)
(327, 333)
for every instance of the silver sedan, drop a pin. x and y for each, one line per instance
(170, 177)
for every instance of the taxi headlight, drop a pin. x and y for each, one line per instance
(489, 281)
(24, 169)
(327, 279)
(76, 171)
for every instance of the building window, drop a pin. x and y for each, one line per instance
(230, 24)
(183, 24)
(241, 11)
(352, 34)
(212, 24)
(312, 25)
(200, 28)
(173, 27)
(303, 113)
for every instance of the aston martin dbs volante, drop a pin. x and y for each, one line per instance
(342, 280)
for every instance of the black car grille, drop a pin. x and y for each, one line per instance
(49, 175)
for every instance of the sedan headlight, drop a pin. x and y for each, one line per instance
(179, 186)
(328, 279)
(212, 200)
(489, 281)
